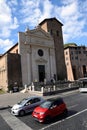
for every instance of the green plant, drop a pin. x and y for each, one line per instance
(2, 91)
(10, 87)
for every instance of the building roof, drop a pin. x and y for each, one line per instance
(48, 19)
(0, 55)
(10, 49)
(70, 45)
(73, 46)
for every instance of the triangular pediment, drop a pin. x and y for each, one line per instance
(40, 37)
(40, 32)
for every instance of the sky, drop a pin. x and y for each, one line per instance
(17, 15)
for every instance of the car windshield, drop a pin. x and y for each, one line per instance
(22, 101)
(46, 104)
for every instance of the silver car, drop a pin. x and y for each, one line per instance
(26, 105)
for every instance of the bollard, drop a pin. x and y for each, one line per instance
(32, 86)
(42, 89)
(54, 87)
(25, 87)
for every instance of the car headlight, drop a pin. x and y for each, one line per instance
(15, 108)
(41, 113)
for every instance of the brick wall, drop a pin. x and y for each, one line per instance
(14, 69)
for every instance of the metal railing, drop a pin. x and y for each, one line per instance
(49, 86)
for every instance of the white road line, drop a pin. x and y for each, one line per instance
(64, 119)
(76, 114)
(14, 122)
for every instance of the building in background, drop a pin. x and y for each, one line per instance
(10, 68)
(54, 27)
(76, 61)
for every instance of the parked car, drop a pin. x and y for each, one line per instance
(49, 109)
(26, 105)
(82, 84)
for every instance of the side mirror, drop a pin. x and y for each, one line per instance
(53, 107)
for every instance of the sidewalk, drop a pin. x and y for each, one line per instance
(9, 99)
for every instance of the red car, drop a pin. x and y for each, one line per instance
(49, 109)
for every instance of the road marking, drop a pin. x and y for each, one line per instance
(76, 114)
(63, 119)
(14, 122)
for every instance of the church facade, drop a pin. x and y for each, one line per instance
(36, 48)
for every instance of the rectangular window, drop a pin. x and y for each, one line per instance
(84, 70)
(66, 53)
(79, 52)
(84, 52)
(51, 32)
(57, 32)
(76, 52)
(76, 57)
(72, 58)
(17, 51)
(66, 58)
(71, 52)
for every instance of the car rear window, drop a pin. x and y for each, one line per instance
(46, 104)
(56, 101)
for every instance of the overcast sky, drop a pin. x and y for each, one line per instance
(16, 15)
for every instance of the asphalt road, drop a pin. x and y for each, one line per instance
(76, 119)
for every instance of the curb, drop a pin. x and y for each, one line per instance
(4, 107)
(59, 91)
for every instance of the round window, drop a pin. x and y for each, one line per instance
(40, 52)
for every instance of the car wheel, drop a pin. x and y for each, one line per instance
(22, 113)
(47, 119)
(65, 112)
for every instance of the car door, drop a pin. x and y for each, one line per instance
(53, 109)
(28, 105)
(60, 107)
(36, 102)
(56, 108)
(31, 104)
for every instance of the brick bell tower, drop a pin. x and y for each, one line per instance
(54, 27)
